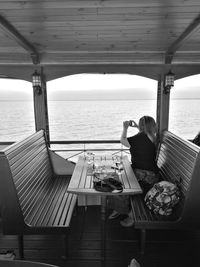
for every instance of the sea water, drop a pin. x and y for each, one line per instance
(94, 120)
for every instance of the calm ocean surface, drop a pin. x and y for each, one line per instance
(90, 120)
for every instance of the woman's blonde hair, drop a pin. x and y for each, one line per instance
(148, 125)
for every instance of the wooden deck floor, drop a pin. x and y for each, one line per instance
(163, 249)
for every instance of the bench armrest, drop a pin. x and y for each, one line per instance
(60, 165)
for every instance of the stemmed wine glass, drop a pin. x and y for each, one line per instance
(90, 160)
(117, 163)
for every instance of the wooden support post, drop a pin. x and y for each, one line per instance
(41, 108)
(162, 107)
(158, 105)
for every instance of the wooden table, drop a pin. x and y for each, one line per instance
(82, 183)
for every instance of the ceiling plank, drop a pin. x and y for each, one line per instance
(16, 4)
(194, 26)
(14, 34)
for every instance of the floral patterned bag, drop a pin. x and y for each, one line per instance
(162, 197)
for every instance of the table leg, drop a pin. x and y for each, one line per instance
(103, 230)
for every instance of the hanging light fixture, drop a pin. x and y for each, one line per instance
(169, 82)
(37, 85)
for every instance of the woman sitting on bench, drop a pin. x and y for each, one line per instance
(143, 157)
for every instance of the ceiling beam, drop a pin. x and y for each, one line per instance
(184, 36)
(14, 34)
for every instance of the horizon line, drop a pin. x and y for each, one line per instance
(133, 99)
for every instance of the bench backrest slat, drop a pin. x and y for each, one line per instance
(179, 161)
(28, 169)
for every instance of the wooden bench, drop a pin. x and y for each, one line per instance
(178, 160)
(33, 190)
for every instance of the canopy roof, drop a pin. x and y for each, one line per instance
(143, 37)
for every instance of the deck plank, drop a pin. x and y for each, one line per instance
(163, 248)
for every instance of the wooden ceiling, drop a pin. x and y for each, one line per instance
(143, 37)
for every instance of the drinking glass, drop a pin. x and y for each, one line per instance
(90, 160)
(90, 157)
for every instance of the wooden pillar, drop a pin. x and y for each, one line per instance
(163, 98)
(41, 108)
(158, 104)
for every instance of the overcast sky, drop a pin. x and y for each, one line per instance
(100, 86)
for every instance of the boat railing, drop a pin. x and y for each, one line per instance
(71, 149)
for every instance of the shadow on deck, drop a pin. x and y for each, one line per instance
(163, 248)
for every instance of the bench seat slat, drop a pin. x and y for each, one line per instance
(171, 173)
(53, 196)
(174, 156)
(179, 154)
(57, 218)
(57, 204)
(50, 216)
(29, 142)
(32, 190)
(19, 162)
(24, 164)
(62, 217)
(67, 211)
(32, 179)
(37, 199)
(169, 158)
